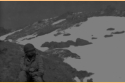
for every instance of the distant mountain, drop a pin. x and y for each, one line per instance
(63, 22)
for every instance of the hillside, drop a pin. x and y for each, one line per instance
(55, 69)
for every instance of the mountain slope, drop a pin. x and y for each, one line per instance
(62, 22)
(55, 70)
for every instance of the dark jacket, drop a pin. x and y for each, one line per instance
(36, 63)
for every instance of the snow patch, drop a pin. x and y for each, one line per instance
(104, 58)
(58, 21)
(10, 40)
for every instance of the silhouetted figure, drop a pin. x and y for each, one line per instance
(31, 65)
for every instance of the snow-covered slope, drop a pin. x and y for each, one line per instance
(97, 42)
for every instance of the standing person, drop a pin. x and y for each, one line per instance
(31, 65)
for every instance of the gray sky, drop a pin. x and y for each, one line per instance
(17, 14)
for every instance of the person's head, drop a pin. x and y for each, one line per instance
(29, 50)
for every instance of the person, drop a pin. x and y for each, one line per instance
(31, 65)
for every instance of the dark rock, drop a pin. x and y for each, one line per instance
(67, 34)
(90, 80)
(110, 29)
(77, 25)
(108, 36)
(58, 33)
(79, 42)
(118, 32)
(94, 37)
(83, 74)
(61, 54)
(70, 42)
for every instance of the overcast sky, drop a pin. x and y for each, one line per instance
(16, 14)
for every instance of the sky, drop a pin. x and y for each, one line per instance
(18, 14)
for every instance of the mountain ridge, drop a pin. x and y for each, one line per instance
(45, 26)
